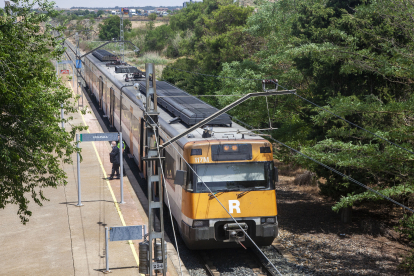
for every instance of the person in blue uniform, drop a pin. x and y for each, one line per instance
(114, 157)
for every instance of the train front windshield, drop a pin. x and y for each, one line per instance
(234, 177)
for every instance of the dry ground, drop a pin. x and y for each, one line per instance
(143, 24)
(321, 243)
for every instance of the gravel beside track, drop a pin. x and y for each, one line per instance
(323, 245)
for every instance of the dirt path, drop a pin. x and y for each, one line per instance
(323, 245)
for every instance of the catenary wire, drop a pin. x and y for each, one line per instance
(264, 255)
(351, 123)
(335, 171)
(168, 201)
(199, 96)
(214, 76)
(386, 140)
(339, 173)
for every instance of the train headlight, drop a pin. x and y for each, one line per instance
(271, 220)
(200, 223)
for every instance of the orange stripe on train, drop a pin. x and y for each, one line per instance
(250, 204)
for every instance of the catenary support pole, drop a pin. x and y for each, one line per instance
(121, 172)
(79, 183)
(157, 263)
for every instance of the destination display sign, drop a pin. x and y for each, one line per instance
(110, 136)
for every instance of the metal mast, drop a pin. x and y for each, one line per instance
(157, 257)
(78, 66)
(121, 34)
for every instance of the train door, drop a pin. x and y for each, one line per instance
(131, 136)
(100, 93)
(111, 106)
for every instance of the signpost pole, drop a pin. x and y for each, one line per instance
(79, 184)
(106, 251)
(121, 172)
(73, 76)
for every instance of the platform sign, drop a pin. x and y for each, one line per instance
(125, 233)
(78, 64)
(88, 137)
(64, 71)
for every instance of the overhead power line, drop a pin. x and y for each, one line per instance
(349, 122)
(353, 124)
(213, 76)
(333, 170)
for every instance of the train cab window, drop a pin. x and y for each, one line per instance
(222, 177)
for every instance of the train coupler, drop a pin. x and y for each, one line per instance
(234, 233)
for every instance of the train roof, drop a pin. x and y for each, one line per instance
(223, 128)
(184, 106)
(104, 55)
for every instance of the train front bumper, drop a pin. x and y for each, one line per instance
(217, 235)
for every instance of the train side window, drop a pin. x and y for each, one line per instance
(169, 170)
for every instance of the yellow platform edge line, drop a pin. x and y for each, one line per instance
(134, 252)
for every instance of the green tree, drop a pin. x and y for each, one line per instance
(152, 16)
(157, 39)
(32, 143)
(110, 27)
(211, 33)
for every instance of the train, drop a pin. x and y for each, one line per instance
(236, 164)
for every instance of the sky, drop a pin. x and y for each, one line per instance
(112, 3)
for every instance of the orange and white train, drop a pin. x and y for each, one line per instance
(235, 164)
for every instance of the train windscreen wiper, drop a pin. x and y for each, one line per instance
(259, 188)
(228, 190)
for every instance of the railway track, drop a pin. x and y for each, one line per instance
(221, 263)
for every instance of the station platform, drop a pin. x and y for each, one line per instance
(63, 239)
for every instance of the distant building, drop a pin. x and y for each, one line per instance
(161, 9)
(186, 3)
